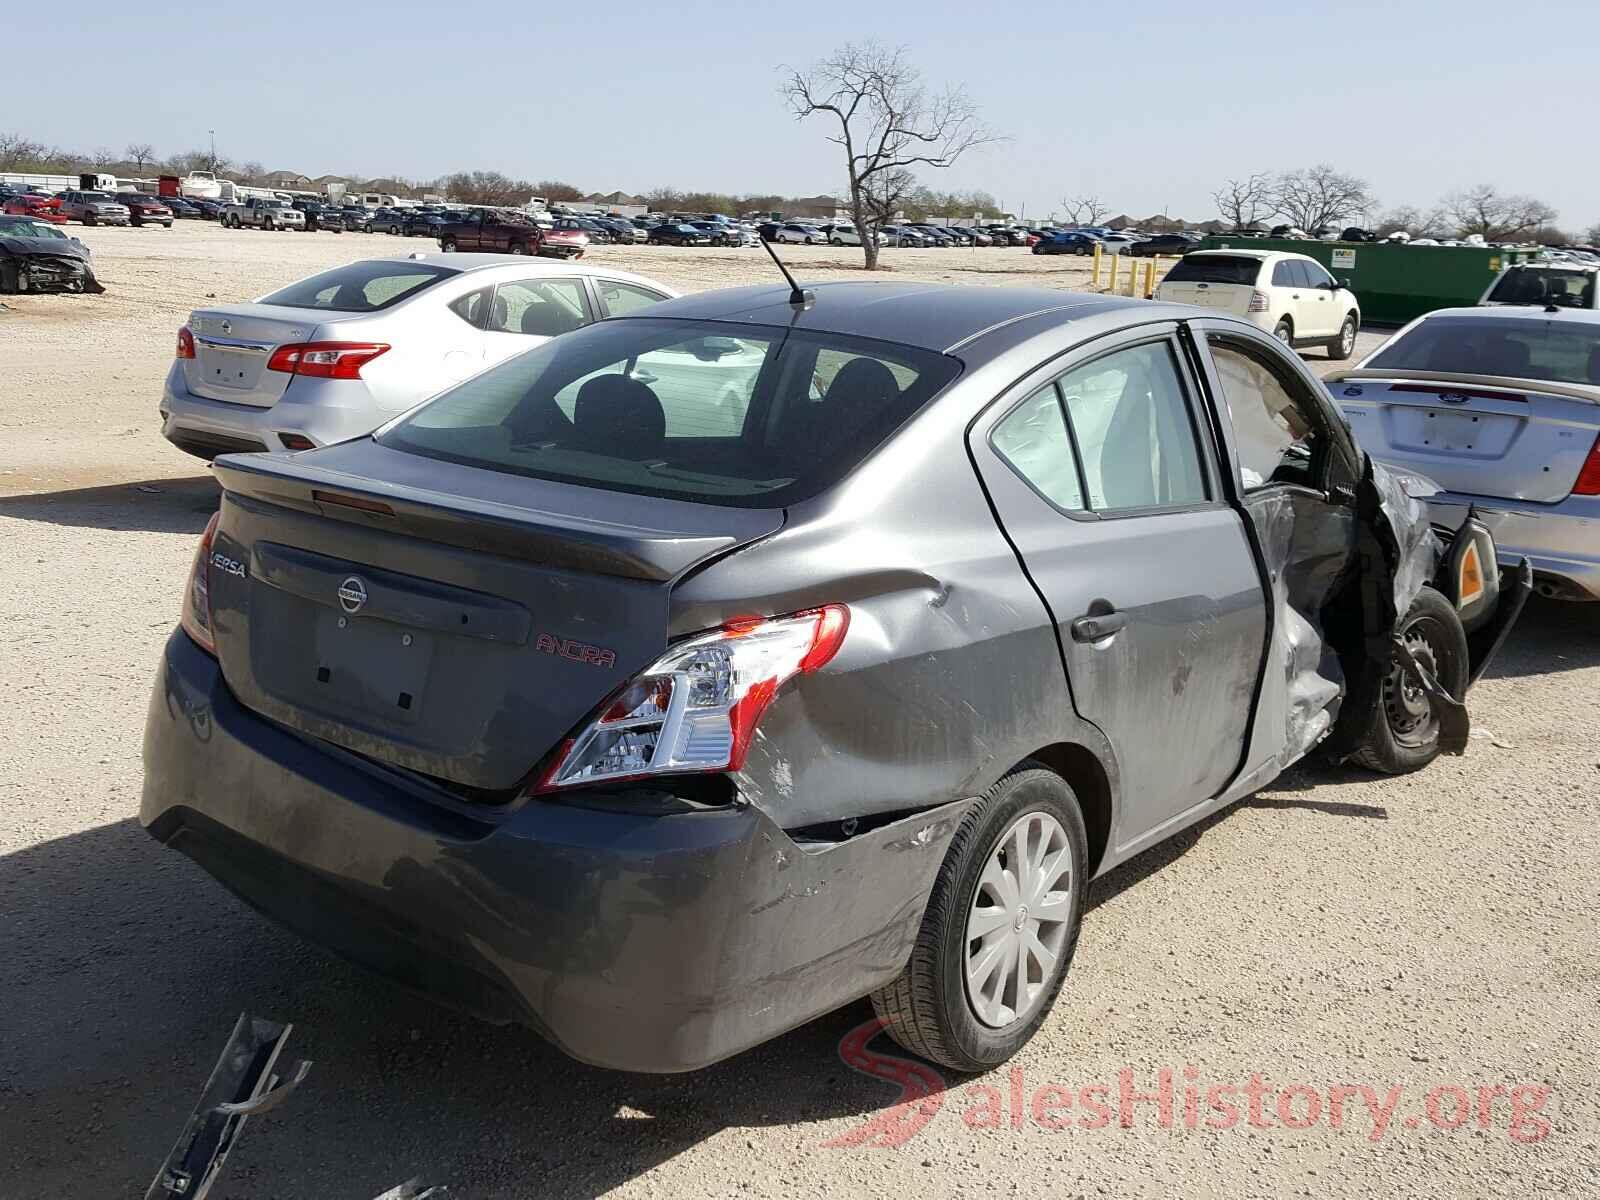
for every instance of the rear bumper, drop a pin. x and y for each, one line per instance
(324, 410)
(1561, 541)
(638, 942)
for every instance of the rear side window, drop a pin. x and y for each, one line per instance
(620, 299)
(360, 286)
(1215, 268)
(539, 307)
(1112, 436)
(1516, 348)
(719, 413)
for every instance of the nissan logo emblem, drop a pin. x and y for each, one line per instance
(227, 327)
(352, 595)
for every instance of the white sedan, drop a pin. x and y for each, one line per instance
(807, 235)
(336, 355)
(848, 235)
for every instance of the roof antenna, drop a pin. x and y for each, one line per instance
(798, 296)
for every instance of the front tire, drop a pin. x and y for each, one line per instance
(1405, 733)
(448, 245)
(1000, 928)
(518, 248)
(1342, 347)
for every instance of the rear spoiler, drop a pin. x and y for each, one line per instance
(1546, 387)
(491, 526)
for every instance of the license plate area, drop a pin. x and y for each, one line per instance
(374, 667)
(1464, 433)
(232, 369)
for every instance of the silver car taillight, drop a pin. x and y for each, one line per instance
(1259, 301)
(695, 709)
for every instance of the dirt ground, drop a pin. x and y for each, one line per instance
(1432, 939)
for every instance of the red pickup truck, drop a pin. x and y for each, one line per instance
(502, 233)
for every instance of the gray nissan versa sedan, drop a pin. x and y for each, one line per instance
(705, 669)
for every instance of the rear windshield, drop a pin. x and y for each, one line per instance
(360, 287)
(1558, 351)
(739, 415)
(1567, 289)
(1215, 268)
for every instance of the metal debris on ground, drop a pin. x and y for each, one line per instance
(243, 1084)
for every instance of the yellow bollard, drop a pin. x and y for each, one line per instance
(1149, 279)
(1133, 276)
(1113, 269)
(1095, 283)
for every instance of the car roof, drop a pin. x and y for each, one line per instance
(1554, 266)
(1243, 253)
(1517, 312)
(476, 264)
(933, 316)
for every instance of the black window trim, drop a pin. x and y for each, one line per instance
(1049, 374)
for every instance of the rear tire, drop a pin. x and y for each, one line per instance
(1284, 331)
(1405, 734)
(1343, 346)
(931, 1009)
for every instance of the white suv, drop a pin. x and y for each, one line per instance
(1291, 296)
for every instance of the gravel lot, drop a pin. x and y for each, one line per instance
(1438, 931)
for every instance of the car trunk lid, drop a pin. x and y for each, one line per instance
(448, 620)
(1502, 438)
(234, 343)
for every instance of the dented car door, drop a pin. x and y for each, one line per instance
(1102, 472)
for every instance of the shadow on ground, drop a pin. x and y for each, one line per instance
(155, 505)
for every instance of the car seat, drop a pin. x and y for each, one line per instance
(549, 318)
(620, 417)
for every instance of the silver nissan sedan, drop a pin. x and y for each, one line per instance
(703, 670)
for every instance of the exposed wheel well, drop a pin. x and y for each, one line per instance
(1082, 770)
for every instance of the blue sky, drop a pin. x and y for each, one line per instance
(1151, 113)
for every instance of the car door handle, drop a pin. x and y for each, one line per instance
(1098, 627)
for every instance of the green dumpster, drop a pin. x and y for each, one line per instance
(1394, 282)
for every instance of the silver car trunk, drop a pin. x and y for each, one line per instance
(449, 620)
(233, 343)
(1505, 438)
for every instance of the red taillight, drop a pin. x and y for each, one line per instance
(696, 708)
(196, 618)
(325, 360)
(1589, 478)
(185, 343)
(1259, 301)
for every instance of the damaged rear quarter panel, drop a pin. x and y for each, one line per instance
(950, 673)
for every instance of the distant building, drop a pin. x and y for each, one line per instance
(292, 180)
(829, 207)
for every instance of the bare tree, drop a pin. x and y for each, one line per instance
(883, 195)
(1483, 210)
(888, 121)
(18, 151)
(1084, 210)
(139, 153)
(1316, 196)
(1243, 202)
(1591, 235)
(556, 189)
(103, 156)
